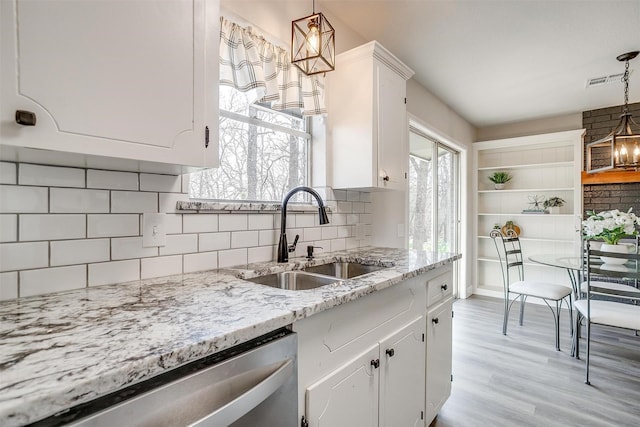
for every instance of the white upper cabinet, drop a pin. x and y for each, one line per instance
(367, 118)
(135, 79)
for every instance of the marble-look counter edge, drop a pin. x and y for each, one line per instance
(173, 297)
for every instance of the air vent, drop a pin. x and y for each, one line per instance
(612, 78)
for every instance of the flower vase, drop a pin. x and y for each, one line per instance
(554, 210)
(498, 186)
(621, 248)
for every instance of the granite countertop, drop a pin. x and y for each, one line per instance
(63, 349)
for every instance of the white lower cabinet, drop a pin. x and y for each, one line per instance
(439, 346)
(384, 386)
(381, 360)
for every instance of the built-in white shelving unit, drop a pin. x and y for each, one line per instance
(541, 165)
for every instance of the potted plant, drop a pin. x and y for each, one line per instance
(499, 179)
(610, 227)
(554, 204)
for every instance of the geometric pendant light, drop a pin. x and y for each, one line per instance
(313, 44)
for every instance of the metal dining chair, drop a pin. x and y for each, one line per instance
(614, 313)
(512, 268)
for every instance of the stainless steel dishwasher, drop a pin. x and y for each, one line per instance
(253, 384)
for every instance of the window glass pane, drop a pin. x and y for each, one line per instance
(257, 163)
(447, 209)
(421, 193)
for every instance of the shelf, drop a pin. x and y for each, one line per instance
(535, 239)
(525, 190)
(531, 166)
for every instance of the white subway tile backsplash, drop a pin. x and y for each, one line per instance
(232, 257)
(311, 234)
(232, 222)
(268, 237)
(338, 245)
(133, 202)
(200, 262)
(353, 219)
(19, 256)
(113, 225)
(160, 266)
(338, 219)
(47, 280)
(353, 196)
(8, 173)
(130, 247)
(18, 199)
(168, 201)
(180, 244)
(243, 239)
(365, 197)
(186, 178)
(260, 221)
(357, 207)
(8, 285)
(352, 243)
(68, 200)
(303, 220)
(345, 207)
(368, 208)
(260, 254)
(200, 223)
(340, 195)
(51, 176)
(329, 232)
(214, 241)
(366, 218)
(68, 252)
(52, 227)
(106, 273)
(111, 180)
(160, 183)
(345, 231)
(8, 228)
(173, 223)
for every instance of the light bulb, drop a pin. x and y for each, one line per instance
(624, 155)
(616, 155)
(313, 37)
(636, 153)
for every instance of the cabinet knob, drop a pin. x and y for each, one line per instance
(435, 320)
(390, 352)
(385, 178)
(444, 287)
(25, 118)
(375, 363)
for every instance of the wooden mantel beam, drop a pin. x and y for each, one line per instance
(610, 177)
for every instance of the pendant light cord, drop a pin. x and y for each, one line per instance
(626, 87)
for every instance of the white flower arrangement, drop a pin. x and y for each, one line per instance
(610, 226)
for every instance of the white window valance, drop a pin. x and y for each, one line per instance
(251, 64)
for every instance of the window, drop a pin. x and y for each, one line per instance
(263, 153)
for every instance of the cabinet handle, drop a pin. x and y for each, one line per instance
(375, 363)
(444, 287)
(25, 118)
(435, 320)
(385, 178)
(390, 352)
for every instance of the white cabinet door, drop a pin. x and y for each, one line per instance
(439, 329)
(348, 396)
(392, 128)
(402, 357)
(367, 118)
(132, 79)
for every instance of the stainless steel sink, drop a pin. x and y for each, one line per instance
(294, 280)
(343, 270)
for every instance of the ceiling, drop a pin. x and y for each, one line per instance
(503, 61)
(492, 61)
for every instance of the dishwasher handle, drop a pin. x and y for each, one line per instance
(244, 403)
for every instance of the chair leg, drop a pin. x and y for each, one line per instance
(556, 318)
(522, 301)
(506, 315)
(576, 335)
(586, 380)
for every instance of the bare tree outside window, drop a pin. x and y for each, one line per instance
(263, 153)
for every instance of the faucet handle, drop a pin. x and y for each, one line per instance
(292, 247)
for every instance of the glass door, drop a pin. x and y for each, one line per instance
(434, 185)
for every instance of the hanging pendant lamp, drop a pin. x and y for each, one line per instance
(313, 44)
(620, 150)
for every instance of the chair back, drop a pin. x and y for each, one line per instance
(509, 255)
(596, 269)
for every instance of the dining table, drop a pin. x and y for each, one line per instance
(573, 265)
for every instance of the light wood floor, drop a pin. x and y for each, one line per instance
(521, 380)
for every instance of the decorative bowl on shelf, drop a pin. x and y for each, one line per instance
(510, 226)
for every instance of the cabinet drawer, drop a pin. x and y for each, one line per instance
(439, 288)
